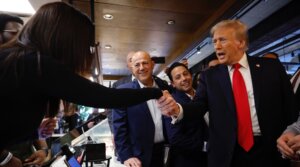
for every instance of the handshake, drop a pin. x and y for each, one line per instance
(168, 105)
(289, 145)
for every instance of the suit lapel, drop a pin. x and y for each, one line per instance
(255, 68)
(224, 81)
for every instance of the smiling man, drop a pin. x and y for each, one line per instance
(139, 132)
(188, 138)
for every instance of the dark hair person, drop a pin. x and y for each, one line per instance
(47, 63)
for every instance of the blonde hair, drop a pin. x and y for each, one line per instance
(241, 29)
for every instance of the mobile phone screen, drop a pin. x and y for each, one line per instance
(73, 162)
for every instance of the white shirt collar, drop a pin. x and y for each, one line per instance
(143, 86)
(132, 77)
(243, 62)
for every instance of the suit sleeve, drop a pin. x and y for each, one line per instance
(295, 127)
(57, 81)
(177, 136)
(121, 134)
(199, 106)
(289, 100)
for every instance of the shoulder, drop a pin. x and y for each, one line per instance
(267, 62)
(126, 85)
(121, 81)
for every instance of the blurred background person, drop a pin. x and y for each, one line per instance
(271, 55)
(10, 25)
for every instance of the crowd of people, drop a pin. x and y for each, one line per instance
(241, 112)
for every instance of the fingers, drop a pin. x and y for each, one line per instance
(285, 150)
(168, 105)
(47, 126)
(35, 159)
(283, 145)
(294, 143)
(133, 162)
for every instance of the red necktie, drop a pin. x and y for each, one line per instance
(245, 134)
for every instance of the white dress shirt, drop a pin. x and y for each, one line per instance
(156, 116)
(245, 71)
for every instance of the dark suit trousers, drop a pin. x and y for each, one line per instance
(157, 159)
(259, 156)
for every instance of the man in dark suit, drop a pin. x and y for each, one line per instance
(119, 82)
(265, 103)
(188, 138)
(128, 78)
(139, 133)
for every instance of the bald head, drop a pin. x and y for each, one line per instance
(129, 60)
(271, 55)
(142, 67)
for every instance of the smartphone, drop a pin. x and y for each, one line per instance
(72, 162)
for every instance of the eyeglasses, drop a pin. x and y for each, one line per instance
(11, 31)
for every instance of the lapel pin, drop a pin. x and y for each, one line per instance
(258, 65)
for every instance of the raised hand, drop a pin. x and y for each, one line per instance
(47, 127)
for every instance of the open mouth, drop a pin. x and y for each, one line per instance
(221, 55)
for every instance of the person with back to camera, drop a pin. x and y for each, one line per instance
(249, 99)
(47, 63)
(35, 151)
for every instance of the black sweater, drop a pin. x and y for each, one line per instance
(23, 102)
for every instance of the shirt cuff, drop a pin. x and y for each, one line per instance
(176, 119)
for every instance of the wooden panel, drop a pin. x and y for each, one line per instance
(189, 6)
(146, 19)
(141, 25)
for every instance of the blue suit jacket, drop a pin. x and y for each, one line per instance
(134, 128)
(186, 138)
(273, 102)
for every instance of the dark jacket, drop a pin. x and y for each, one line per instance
(273, 97)
(187, 138)
(133, 128)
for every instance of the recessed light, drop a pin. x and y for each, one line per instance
(171, 22)
(107, 46)
(108, 17)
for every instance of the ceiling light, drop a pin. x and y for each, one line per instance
(22, 7)
(108, 17)
(171, 22)
(198, 50)
(107, 46)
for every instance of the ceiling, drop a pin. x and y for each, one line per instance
(142, 25)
